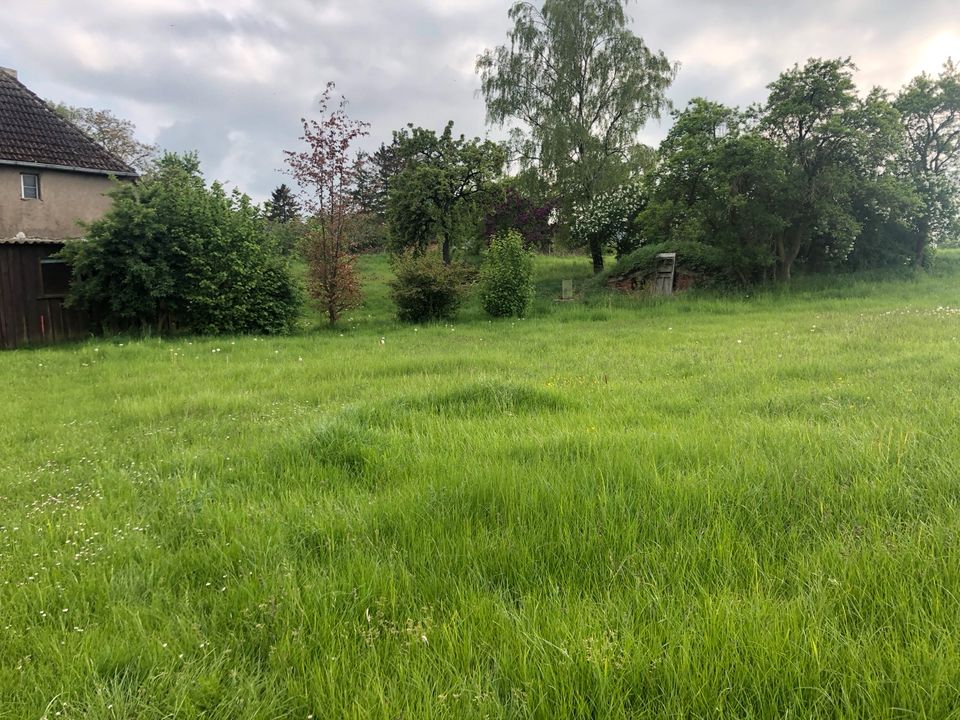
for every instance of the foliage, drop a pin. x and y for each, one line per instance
(443, 180)
(332, 279)
(581, 85)
(516, 210)
(718, 183)
(372, 189)
(818, 177)
(287, 236)
(174, 254)
(930, 108)
(506, 276)
(425, 288)
(327, 178)
(282, 206)
(826, 133)
(283, 219)
(368, 234)
(370, 196)
(887, 211)
(608, 219)
(115, 134)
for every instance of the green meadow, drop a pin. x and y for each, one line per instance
(701, 507)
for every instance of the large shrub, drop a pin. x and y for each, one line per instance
(175, 255)
(506, 276)
(425, 288)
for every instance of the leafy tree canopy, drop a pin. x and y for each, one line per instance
(117, 135)
(444, 178)
(930, 109)
(826, 132)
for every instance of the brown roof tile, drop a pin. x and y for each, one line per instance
(30, 132)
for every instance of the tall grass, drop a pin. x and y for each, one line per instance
(741, 507)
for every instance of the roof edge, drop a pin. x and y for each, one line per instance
(40, 241)
(68, 168)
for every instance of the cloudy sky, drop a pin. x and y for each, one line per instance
(232, 78)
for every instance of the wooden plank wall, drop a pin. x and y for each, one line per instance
(26, 318)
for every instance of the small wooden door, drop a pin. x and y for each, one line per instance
(666, 270)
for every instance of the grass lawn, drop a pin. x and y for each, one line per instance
(618, 508)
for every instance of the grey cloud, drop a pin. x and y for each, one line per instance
(232, 79)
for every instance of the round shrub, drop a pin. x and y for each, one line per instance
(426, 289)
(506, 276)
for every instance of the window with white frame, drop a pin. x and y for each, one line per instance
(29, 186)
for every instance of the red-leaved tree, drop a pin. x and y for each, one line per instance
(327, 174)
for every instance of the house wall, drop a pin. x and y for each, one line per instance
(65, 198)
(27, 316)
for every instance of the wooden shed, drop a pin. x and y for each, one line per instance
(33, 285)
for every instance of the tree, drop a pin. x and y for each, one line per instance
(370, 198)
(327, 178)
(581, 85)
(608, 219)
(282, 206)
(115, 134)
(930, 110)
(443, 181)
(826, 132)
(515, 210)
(175, 255)
(718, 183)
(372, 189)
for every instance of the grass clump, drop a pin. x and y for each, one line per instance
(484, 399)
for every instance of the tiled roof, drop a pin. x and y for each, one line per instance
(32, 133)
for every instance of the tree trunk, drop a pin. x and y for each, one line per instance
(920, 245)
(788, 247)
(596, 254)
(446, 249)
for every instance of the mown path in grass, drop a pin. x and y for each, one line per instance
(706, 507)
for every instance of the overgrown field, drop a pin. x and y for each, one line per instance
(704, 507)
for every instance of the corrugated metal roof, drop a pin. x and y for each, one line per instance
(23, 240)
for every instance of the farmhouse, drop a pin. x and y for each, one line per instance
(52, 177)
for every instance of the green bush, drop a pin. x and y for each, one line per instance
(506, 276)
(426, 289)
(173, 254)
